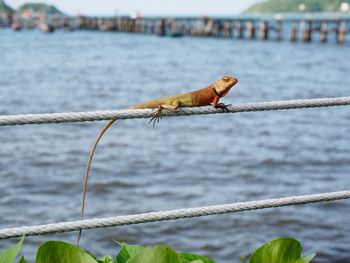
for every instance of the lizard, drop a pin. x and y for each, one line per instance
(202, 97)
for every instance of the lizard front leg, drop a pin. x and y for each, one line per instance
(218, 105)
(158, 113)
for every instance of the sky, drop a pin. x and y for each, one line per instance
(146, 7)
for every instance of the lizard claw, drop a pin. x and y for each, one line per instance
(223, 106)
(157, 115)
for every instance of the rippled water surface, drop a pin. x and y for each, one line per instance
(183, 161)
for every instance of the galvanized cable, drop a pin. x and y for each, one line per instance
(7, 120)
(170, 215)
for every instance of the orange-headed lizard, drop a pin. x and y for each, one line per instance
(203, 97)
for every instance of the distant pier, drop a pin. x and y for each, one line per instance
(304, 30)
(307, 30)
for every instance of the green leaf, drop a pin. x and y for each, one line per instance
(9, 255)
(105, 259)
(306, 259)
(22, 260)
(282, 250)
(61, 252)
(157, 254)
(197, 261)
(189, 257)
(127, 252)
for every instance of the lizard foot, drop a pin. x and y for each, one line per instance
(223, 106)
(157, 115)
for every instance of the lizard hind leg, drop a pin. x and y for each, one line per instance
(158, 111)
(157, 115)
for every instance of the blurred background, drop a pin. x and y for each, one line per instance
(62, 56)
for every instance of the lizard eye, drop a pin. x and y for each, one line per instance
(225, 79)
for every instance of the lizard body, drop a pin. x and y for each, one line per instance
(202, 97)
(191, 99)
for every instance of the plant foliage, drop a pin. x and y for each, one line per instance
(39, 7)
(282, 250)
(4, 8)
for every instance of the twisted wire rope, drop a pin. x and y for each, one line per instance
(170, 215)
(7, 120)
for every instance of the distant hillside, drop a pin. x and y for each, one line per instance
(4, 8)
(38, 7)
(291, 6)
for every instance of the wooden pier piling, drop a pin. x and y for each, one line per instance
(294, 33)
(239, 29)
(324, 32)
(279, 30)
(161, 27)
(264, 30)
(341, 31)
(227, 28)
(250, 29)
(307, 32)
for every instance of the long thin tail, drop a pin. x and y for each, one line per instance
(86, 177)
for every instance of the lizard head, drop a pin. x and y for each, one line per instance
(223, 85)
